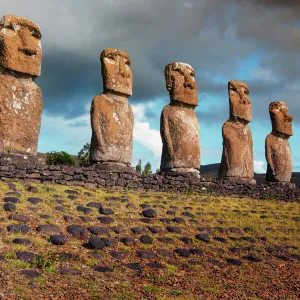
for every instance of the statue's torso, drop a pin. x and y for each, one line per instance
(183, 131)
(280, 151)
(237, 157)
(115, 128)
(21, 104)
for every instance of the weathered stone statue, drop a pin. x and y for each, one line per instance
(237, 157)
(21, 100)
(278, 151)
(179, 126)
(111, 114)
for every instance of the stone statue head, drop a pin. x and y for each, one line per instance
(281, 119)
(240, 104)
(181, 84)
(116, 72)
(20, 45)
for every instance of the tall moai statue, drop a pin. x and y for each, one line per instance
(237, 157)
(179, 126)
(21, 100)
(111, 114)
(278, 151)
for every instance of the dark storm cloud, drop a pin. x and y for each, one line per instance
(214, 36)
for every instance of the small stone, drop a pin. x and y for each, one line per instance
(60, 208)
(156, 229)
(165, 220)
(94, 204)
(84, 209)
(68, 218)
(18, 228)
(174, 229)
(45, 217)
(97, 230)
(34, 200)
(105, 220)
(146, 239)
(154, 265)
(203, 237)
(118, 230)
(58, 239)
(145, 254)
(9, 206)
(171, 212)
(106, 211)
(234, 261)
(179, 220)
(72, 197)
(70, 271)
(188, 214)
(102, 269)
(96, 242)
(220, 239)
(71, 192)
(11, 199)
(145, 220)
(78, 231)
(164, 253)
(86, 219)
(182, 252)
(197, 251)
(128, 241)
(165, 240)
(30, 274)
(134, 266)
(48, 229)
(31, 189)
(119, 254)
(139, 230)
(110, 242)
(252, 258)
(26, 256)
(187, 240)
(149, 213)
(144, 205)
(21, 241)
(130, 206)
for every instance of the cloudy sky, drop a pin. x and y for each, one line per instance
(254, 41)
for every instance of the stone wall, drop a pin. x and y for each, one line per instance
(33, 171)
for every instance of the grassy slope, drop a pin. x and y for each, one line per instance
(196, 277)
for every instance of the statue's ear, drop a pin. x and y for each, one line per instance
(168, 76)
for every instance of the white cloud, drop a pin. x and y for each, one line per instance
(259, 166)
(264, 74)
(142, 131)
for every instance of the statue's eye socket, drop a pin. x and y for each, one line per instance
(110, 56)
(179, 71)
(127, 63)
(192, 74)
(36, 34)
(10, 26)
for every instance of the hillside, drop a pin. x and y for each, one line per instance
(59, 242)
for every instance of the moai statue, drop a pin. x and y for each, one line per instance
(179, 126)
(237, 157)
(21, 100)
(111, 114)
(278, 151)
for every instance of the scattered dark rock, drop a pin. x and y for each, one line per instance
(166, 240)
(110, 242)
(174, 229)
(144, 205)
(220, 239)
(234, 261)
(34, 200)
(187, 240)
(145, 220)
(94, 204)
(48, 229)
(156, 229)
(70, 271)
(106, 211)
(72, 197)
(30, 274)
(58, 239)
(103, 269)
(128, 241)
(203, 237)
(119, 254)
(26, 256)
(117, 230)
(9, 206)
(182, 252)
(196, 251)
(252, 258)
(149, 213)
(21, 241)
(18, 228)
(171, 212)
(145, 254)
(68, 218)
(96, 242)
(60, 208)
(139, 230)
(78, 231)
(97, 230)
(106, 220)
(134, 266)
(164, 253)
(84, 209)
(146, 239)
(179, 220)
(11, 199)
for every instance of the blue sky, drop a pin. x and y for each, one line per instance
(251, 41)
